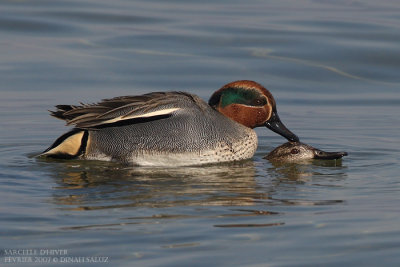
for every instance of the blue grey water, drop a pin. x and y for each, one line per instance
(333, 67)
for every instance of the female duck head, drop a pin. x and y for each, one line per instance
(297, 151)
(250, 104)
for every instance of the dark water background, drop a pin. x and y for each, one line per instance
(333, 67)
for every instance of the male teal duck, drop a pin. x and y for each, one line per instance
(170, 128)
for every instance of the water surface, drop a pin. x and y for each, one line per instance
(333, 69)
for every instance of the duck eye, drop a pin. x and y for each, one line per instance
(295, 151)
(259, 102)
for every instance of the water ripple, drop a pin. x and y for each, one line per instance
(33, 26)
(102, 17)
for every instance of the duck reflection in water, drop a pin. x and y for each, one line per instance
(89, 185)
(242, 187)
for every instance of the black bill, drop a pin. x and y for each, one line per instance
(319, 154)
(275, 124)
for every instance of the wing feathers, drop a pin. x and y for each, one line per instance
(115, 110)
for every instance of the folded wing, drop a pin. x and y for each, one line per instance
(122, 110)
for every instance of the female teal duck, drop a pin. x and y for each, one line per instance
(297, 151)
(170, 128)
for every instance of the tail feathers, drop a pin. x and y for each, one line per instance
(60, 112)
(68, 146)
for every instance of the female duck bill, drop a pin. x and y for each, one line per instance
(274, 124)
(319, 154)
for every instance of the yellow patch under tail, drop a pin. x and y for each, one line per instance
(69, 145)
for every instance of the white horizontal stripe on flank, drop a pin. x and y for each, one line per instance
(146, 115)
